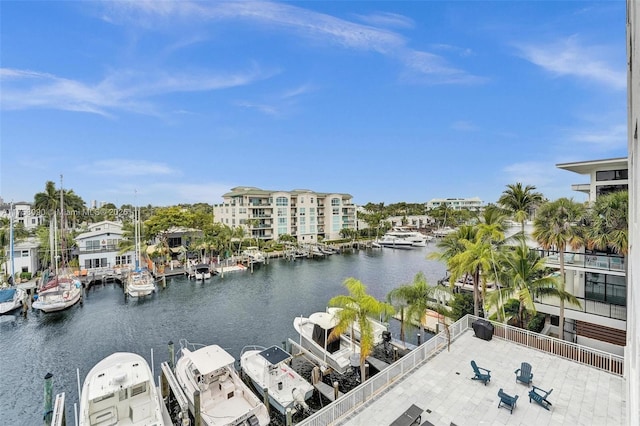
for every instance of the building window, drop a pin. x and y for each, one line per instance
(92, 244)
(608, 189)
(606, 288)
(282, 221)
(335, 201)
(301, 200)
(282, 201)
(603, 175)
(282, 211)
(302, 211)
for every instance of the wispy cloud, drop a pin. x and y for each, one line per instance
(611, 138)
(570, 57)
(386, 19)
(123, 90)
(548, 179)
(465, 126)
(308, 24)
(264, 108)
(125, 167)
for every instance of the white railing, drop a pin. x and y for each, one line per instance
(355, 398)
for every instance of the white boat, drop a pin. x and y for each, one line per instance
(378, 328)
(10, 299)
(314, 336)
(417, 239)
(224, 398)
(443, 232)
(254, 254)
(395, 242)
(202, 271)
(59, 293)
(269, 369)
(120, 390)
(140, 283)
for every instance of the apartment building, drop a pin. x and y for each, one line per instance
(472, 204)
(23, 213)
(597, 278)
(301, 213)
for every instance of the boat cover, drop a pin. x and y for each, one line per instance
(274, 355)
(319, 334)
(6, 295)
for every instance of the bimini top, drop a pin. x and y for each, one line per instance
(324, 320)
(274, 355)
(210, 358)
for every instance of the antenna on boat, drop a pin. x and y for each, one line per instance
(11, 248)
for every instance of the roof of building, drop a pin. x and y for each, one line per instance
(252, 190)
(585, 167)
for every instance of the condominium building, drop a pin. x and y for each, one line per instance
(596, 277)
(473, 204)
(23, 213)
(304, 214)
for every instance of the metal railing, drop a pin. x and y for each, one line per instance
(589, 306)
(585, 260)
(355, 398)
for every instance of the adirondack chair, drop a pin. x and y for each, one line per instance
(483, 377)
(524, 374)
(506, 400)
(540, 396)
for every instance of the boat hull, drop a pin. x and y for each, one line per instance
(13, 304)
(48, 303)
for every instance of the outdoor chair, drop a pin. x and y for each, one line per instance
(524, 374)
(540, 396)
(483, 377)
(506, 400)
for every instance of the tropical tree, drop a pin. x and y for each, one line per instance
(416, 298)
(609, 223)
(558, 225)
(47, 201)
(357, 308)
(520, 200)
(523, 274)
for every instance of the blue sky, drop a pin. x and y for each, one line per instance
(388, 101)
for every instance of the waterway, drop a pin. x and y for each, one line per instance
(243, 308)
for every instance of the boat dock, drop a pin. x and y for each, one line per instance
(327, 391)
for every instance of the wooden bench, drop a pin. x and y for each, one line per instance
(412, 416)
(506, 400)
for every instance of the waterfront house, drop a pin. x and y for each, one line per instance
(25, 257)
(304, 214)
(98, 247)
(23, 213)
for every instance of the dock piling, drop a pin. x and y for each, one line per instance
(48, 399)
(419, 341)
(197, 419)
(172, 354)
(336, 390)
(265, 395)
(289, 420)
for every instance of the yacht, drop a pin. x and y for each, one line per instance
(140, 283)
(120, 390)
(268, 368)
(224, 398)
(417, 239)
(336, 354)
(202, 271)
(394, 242)
(378, 328)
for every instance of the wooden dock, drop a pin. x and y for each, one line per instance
(327, 391)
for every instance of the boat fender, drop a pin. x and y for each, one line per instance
(298, 397)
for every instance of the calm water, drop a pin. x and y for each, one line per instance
(241, 309)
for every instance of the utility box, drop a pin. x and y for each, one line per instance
(483, 329)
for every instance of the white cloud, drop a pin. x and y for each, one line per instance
(386, 19)
(569, 57)
(552, 182)
(124, 167)
(611, 138)
(465, 126)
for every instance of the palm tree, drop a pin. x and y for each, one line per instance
(357, 307)
(609, 223)
(48, 201)
(523, 272)
(557, 225)
(416, 298)
(520, 201)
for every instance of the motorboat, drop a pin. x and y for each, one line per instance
(224, 398)
(120, 390)
(202, 271)
(378, 328)
(59, 293)
(268, 368)
(10, 299)
(254, 254)
(140, 283)
(395, 242)
(314, 334)
(417, 239)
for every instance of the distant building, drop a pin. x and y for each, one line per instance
(302, 213)
(471, 204)
(24, 213)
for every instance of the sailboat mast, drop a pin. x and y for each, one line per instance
(63, 245)
(13, 265)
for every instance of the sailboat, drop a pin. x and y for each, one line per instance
(64, 289)
(11, 298)
(139, 282)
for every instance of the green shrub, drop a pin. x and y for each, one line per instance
(536, 323)
(25, 275)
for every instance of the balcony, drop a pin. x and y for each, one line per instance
(573, 260)
(102, 249)
(589, 306)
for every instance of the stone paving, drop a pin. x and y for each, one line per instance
(442, 386)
